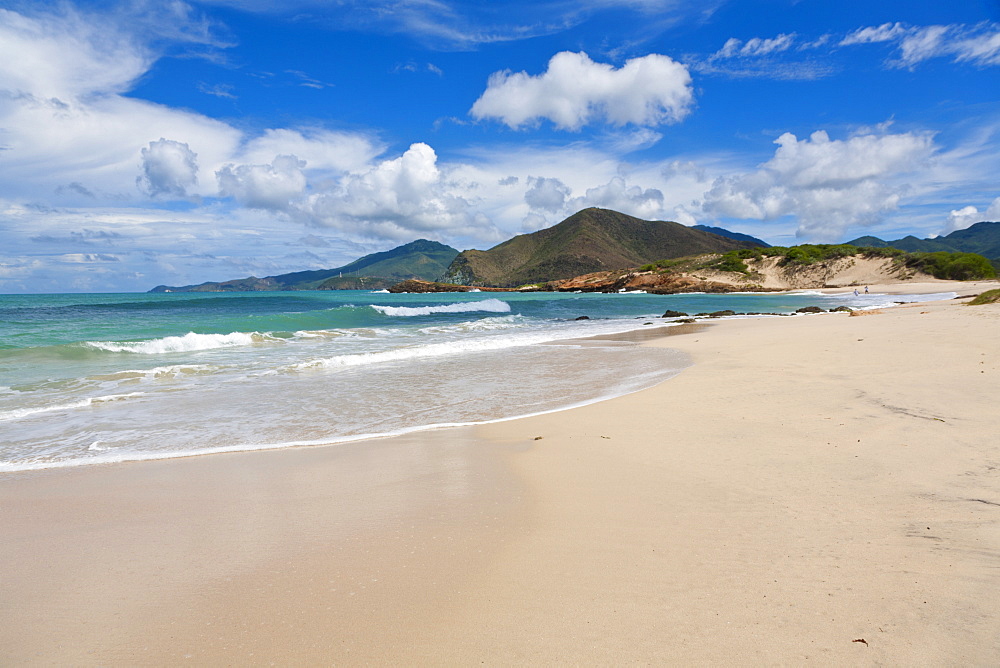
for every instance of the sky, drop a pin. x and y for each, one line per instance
(168, 142)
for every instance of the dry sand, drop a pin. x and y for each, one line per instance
(809, 482)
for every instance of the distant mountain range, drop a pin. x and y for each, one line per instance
(588, 241)
(423, 259)
(982, 238)
(732, 235)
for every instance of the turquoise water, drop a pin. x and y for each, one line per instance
(86, 379)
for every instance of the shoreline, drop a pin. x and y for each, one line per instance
(16, 467)
(651, 527)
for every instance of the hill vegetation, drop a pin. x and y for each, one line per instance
(955, 266)
(982, 238)
(590, 240)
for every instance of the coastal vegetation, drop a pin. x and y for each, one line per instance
(988, 297)
(956, 266)
(983, 238)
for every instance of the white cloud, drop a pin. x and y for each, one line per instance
(978, 45)
(618, 195)
(960, 219)
(886, 32)
(66, 55)
(69, 130)
(168, 168)
(760, 57)
(398, 198)
(321, 149)
(270, 186)
(828, 185)
(449, 25)
(754, 47)
(576, 91)
(546, 194)
(922, 44)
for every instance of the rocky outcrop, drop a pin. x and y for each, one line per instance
(647, 281)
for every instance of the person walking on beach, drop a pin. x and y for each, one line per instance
(866, 289)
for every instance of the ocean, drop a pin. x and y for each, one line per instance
(98, 378)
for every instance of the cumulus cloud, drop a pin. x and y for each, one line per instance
(397, 198)
(168, 168)
(546, 194)
(959, 219)
(270, 186)
(828, 185)
(618, 195)
(66, 120)
(576, 91)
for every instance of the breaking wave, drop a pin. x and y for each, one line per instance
(181, 344)
(486, 305)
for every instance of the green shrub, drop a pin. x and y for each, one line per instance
(812, 253)
(731, 262)
(886, 251)
(952, 266)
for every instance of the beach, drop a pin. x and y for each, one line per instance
(820, 489)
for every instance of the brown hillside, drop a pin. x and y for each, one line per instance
(590, 240)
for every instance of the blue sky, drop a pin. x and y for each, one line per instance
(176, 142)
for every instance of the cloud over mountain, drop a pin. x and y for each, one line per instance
(828, 185)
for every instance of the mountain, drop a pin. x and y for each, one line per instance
(722, 232)
(590, 240)
(869, 242)
(417, 259)
(982, 238)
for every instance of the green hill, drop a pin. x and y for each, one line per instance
(418, 259)
(590, 240)
(981, 238)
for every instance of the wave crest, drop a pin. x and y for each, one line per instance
(181, 344)
(486, 305)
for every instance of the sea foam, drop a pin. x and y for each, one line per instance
(180, 344)
(451, 348)
(486, 305)
(20, 413)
